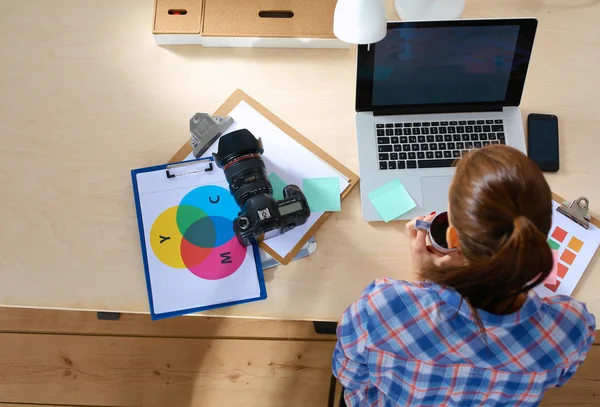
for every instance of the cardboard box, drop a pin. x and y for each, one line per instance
(246, 23)
(178, 17)
(269, 18)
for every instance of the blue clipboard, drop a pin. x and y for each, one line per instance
(173, 170)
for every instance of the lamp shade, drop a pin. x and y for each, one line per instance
(360, 21)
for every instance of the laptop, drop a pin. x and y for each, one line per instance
(428, 93)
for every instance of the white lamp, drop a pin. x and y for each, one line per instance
(422, 10)
(360, 21)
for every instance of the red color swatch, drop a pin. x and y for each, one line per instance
(561, 270)
(568, 257)
(559, 234)
(552, 287)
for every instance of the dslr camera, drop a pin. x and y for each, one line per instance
(240, 156)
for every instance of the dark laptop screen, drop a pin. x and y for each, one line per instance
(444, 65)
(464, 62)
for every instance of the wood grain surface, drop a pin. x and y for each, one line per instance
(86, 96)
(134, 363)
(129, 371)
(30, 405)
(29, 320)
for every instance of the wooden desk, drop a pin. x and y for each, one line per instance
(86, 96)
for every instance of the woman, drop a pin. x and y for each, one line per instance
(469, 332)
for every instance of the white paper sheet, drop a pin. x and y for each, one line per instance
(287, 158)
(178, 288)
(572, 259)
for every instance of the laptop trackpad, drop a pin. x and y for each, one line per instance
(435, 193)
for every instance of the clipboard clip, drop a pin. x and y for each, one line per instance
(205, 129)
(577, 211)
(189, 167)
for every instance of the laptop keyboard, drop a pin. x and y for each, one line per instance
(433, 144)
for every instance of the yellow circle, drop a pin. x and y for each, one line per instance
(165, 239)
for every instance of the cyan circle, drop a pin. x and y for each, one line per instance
(215, 201)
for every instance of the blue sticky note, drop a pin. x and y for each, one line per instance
(391, 200)
(322, 194)
(278, 184)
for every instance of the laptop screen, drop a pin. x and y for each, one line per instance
(446, 63)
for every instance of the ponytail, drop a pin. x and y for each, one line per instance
(534, 256)
(522, 261)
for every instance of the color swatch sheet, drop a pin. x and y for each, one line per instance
(573, 248)
(193, 260)
(289, 160)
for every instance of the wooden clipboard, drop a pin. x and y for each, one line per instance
(225, 109)
(561, 201)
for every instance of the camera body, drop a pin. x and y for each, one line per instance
(262, 214)
(240, 156)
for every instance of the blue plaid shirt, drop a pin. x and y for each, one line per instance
(409, 344)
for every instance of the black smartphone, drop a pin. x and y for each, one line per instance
(542, 141)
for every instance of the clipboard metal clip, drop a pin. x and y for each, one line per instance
(577, 211)
(189, 167)
(205, 129)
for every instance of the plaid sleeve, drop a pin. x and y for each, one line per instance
(579, 355)
(349, 356)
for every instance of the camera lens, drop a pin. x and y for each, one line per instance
(240, 156)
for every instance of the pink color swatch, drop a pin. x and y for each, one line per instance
(551, 279)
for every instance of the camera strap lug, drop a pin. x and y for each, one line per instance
(205, 130)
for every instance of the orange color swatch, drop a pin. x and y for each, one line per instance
(561, 270)
(575, 244)
(568, 257)
(559, 234)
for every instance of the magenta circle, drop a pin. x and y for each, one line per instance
(222, 261)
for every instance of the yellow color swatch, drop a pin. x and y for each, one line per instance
(575, 244)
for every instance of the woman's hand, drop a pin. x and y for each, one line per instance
(422, 254)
